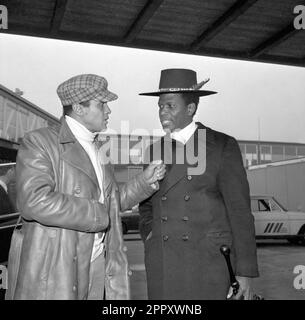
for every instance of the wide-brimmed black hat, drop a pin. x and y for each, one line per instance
(179, 81)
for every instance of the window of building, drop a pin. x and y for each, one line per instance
(10, 120)
(301, 151)
(277, 153)
(290, 152)
(265, 154)
(242, 148)
(251, 154)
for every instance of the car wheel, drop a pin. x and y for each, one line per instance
(295, 240)
(302, 239)
(124, 228)
(302, 235)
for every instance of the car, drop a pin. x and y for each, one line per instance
(273, 221)
(130, 219)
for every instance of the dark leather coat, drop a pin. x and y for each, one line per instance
(57, 196)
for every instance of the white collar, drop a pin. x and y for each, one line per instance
(184, 134)
(3, 185)
(79, 130)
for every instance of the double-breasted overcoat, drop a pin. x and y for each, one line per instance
(184, 224)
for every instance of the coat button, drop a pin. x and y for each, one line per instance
(185, 237)
(77, 190)
(74, 258)
(189, 178)
(164, 218)
(163, 198)
(129, 272)
(74, 288)
(187, 198)
(185, 218)
(124, 248)
(165, 238)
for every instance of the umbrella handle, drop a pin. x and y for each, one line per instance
(225, 251)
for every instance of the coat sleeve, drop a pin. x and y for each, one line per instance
(234, 188)
(135, 191)
(37, 198)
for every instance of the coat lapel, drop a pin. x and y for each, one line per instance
(74, 154)
(202, 139)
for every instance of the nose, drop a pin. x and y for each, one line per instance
(163, 111)
(107, 109)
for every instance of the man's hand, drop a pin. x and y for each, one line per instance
(155, 171)
(244, 289)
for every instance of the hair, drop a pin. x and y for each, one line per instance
(67, 110)
(189, 98)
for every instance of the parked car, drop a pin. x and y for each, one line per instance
(273, 221)
(130, 219)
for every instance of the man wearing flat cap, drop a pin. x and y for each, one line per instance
(199, 206)
(69, 202)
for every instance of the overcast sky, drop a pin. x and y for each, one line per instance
(249, 93)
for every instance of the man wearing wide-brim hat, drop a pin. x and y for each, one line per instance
(72, 241)
(199, 206)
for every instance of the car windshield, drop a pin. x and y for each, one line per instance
(7, 189)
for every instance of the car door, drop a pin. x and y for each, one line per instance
(270, 219)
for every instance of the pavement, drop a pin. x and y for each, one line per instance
(277, 261)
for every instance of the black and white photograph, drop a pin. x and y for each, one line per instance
(152, 150)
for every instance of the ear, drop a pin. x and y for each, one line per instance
(78, 109)
(191, 109)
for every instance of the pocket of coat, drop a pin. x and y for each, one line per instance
(220, 238)
(48, 256)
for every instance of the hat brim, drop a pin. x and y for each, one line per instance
(199, 93)
(106, 96)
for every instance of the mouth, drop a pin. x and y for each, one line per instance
(165, 122)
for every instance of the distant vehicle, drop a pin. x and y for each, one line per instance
(273, 221)
(130, 219)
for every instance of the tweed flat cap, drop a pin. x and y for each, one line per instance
(83, 88)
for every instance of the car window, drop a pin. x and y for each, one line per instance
(263, 205)
(260, 205)
(274, 205)
(7, 189)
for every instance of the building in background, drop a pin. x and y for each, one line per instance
(285, 180)
(262, 152)
(18, 116)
